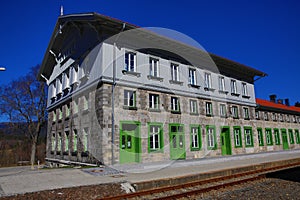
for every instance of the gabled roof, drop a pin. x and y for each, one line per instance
(226, 66)
(268, 105)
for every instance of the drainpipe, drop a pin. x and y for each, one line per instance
(113, 98)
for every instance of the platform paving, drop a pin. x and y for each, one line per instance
(17, 180)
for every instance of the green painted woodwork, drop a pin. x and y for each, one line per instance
(285, 142)
(177, 141)
(225, 140)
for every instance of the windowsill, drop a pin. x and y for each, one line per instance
(175, 112)
(125, 72)
(65, 153)
(209, 89)
(155, 151)
(130, 107)
(195, 149)
(246, 96)
(194, 114)
(154, 110)
(223, 92)
(209, 115)
(52, 152)
(235, 94)
(238, 146)
(194, 86)
(74, 153)
(235, 117)
(59, 120)
(247, 118)
(224, 116)
(176, 82)
(85, 111)
(249, 146)
(58, 153)
(155, 78)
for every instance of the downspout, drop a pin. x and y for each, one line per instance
(113, 98)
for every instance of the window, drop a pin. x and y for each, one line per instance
(208, 109)
(59, 142)
(291, 136)
(269, 138)
(75, 137)
(260, 137)
(53, 142)
(85, 133)
(248, 137)
(211, 137)
(237, 136)
(287, 118)
(274, 116)
(277, 136)
(58, 86)
(154, 101)
(297, 136)
(193, 107)
(74, 75)
(67, 107)
(280, 117)
(221, 84)
(60, 113)
(233, 87)
(54, 116)
(266, 117)
(75, 106)
(85, 102)
(129, 99)
(52, 89)
(66, 80)
(155, 141)
(130, 62)
(234, 112)
(223, 110)
(256, 115)
(192, 76)
(195, 137)
(66, 141)
(207, 81)
(244, 90)
(175, 72)
(246, 113)
(154, 67)
(175, 106)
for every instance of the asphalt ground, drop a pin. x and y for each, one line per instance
(19, 180)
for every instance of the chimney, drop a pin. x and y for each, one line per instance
(280, 101)
(273, 98)
(287, 102)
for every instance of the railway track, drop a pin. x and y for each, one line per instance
(201, 186)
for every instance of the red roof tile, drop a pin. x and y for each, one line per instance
(270, 104)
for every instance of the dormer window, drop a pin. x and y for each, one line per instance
(130, 62)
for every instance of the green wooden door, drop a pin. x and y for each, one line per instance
(177, 142)
(284, 139)
(225, 141)
(129, 147)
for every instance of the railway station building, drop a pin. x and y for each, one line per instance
(123, 94)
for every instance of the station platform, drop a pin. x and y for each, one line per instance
(18, 180)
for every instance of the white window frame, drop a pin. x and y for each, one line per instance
(153, 136)
(237, 134)
(268, 136)
(128, 95)
(210, 137)
(175, 72)
(129, 60)
(233, 86)
(208, 108)
(207, 80)
(193, 106)
(222, 86)
(154, 101)
(195, 135)
(154, 67)
(248, 134)
(223, 110)
(235, 112)
(192, 76)
(245, 89)
(246, 113)
(175, 104)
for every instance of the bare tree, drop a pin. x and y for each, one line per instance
(23, 101)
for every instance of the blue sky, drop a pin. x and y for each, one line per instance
(264, 34)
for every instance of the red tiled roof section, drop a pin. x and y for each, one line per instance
(270, 104)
